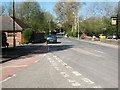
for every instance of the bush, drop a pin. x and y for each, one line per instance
(75, 34)
(28, 35)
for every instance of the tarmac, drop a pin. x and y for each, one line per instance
(22, 50)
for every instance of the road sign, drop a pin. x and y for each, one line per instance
(114, 21)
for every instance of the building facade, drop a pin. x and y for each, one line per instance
(7, 28)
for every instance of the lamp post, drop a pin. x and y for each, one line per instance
(14, 42)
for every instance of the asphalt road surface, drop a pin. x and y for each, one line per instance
(69, 64)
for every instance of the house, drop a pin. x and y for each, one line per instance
(7, 28)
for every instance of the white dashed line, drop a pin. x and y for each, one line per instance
(64, 64)
(97, 87)
(69, 80)
(76, 84)
(68, 67)
(59, 60)
(55, 56)
(57, 68)
(87, 80)
(64, 74)
(55, 63)
(49, 58)
(76, 73)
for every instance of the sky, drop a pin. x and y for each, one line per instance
(48, 5)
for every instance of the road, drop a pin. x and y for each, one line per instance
(68, 64)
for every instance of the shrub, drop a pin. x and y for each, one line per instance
(75, 34)
(28, 35)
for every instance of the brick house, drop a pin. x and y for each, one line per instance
(7, 28)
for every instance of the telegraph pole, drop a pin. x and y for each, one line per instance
(14, 41)
(117, 22)
(78, 28)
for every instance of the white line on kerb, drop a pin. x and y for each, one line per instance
(15, 66)
(9, 78)
(36, 61)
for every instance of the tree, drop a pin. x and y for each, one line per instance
(28, 35)
(2, 10)
(66, 13)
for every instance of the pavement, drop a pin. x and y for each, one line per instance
(98, 42)
(20, 51)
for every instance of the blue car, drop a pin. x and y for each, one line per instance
(51, 38)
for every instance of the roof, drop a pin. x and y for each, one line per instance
(7, 24)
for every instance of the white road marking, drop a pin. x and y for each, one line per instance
(99, 51)
(97, 87)
(15, 66)
(9, 78)
(36, 61)
(86, 52)
(76, 73)
(87, 80)
(68, 67)
(54, 64)
(64, 64)
(59, 60)
(69, 80)
(49, 58)
(64, 74)
(51, 61)
(44, 55)
(57, 68)
(54, 56)
(76, 84)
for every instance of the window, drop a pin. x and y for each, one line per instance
(10, 34)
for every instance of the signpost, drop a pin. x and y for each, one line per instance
(115, 21)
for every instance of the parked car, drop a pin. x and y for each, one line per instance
(111, 37)
(51, 38)
(114, 37)
(102, 36)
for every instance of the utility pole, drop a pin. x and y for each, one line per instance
(78, 27)
(117, 21)
(14, 41)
